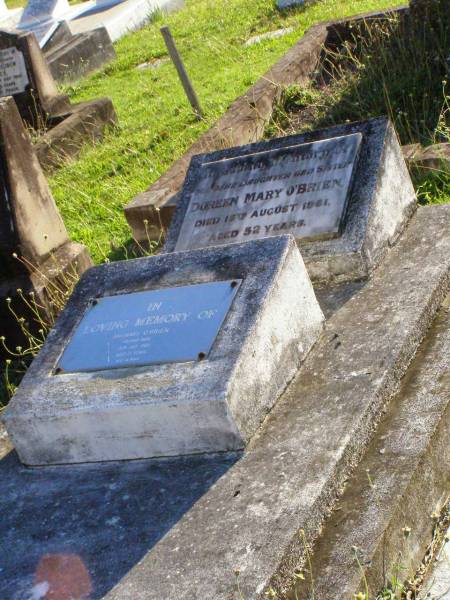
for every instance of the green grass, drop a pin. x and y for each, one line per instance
(395, 69)
(15, 3)
(156, 125)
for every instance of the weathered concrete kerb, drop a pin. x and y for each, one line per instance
(385, 514)
(181, 527)
(294, 470)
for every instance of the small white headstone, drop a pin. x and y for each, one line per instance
(4, 12)
(42, 17)
(13, 73)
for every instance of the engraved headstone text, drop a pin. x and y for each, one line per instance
(13, 73)
(175, 324)
(301, 189)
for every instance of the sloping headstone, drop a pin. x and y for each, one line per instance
(168, 355)
(28, 79)
(63, 126)
(343, 192)
(30, 224)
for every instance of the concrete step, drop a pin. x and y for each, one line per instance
(294, 470)
(382, 524)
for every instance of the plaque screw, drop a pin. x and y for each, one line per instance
(201, 355)
(233, 283)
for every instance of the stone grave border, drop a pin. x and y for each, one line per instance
(301, 460)
(245, 120)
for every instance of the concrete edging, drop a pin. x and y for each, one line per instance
(294, 471)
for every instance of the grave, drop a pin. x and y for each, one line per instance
(71, 56)
(120, 17)
(30, 226)
(187, 527)
(344, 193)
(27, 78)
(167, 355)
(42, 17)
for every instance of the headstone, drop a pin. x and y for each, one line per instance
(30, 224)
(13, 72)
(42, 17)
(286, 4)
(343, 192)
(26, 77)
(4, 12)
(167, 355)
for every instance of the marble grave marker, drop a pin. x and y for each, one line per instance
(343, 192)
(42, 17)
(13, 73)
(300, 189)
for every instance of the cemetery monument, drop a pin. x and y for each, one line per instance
(168, 355)
(42, 17)
(27, 78)
(344, 193)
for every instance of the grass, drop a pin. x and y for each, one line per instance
(372, 75)
(156, 125)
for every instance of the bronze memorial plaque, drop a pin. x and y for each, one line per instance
(177, 324)
(301, 189)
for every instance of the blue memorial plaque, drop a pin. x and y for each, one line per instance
(176, 324)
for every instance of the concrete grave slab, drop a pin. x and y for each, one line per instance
(213, 403)
(70, 57)
(344, 193)
(401, 480)
(295, 468)
(181, 527)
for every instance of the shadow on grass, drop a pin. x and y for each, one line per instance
(397, 68)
